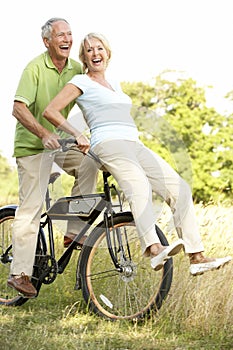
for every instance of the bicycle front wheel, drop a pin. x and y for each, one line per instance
(132, 292)
(9, 296)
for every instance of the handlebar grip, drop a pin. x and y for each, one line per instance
(67, 143)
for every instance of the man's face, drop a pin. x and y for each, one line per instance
(60, 43)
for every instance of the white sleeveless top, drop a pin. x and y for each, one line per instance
(106, 112)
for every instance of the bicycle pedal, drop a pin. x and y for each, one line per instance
(27, 296)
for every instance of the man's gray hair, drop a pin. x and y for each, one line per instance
(46, 29)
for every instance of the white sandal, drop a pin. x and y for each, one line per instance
(159, 260)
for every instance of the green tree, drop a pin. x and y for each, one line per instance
(196, 140)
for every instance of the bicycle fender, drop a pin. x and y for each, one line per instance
(9, 206)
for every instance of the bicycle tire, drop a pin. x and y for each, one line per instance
(9, 296)
(118, 295)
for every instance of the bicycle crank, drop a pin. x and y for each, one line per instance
(47, 269)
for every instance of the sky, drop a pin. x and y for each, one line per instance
(146, 37)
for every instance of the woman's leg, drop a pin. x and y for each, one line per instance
(166, 182)
(119, 157)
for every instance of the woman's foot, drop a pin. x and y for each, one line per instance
(200, 264)
(159, 259)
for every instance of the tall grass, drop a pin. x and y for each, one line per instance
(197, 314)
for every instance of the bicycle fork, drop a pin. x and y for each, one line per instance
(115, 242)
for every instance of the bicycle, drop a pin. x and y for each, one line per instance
(116, 281)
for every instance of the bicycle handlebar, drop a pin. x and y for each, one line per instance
(66, 144)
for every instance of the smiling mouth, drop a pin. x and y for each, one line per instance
(64, 47)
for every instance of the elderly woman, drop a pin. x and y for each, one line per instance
(138, 170)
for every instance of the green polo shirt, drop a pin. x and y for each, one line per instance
(39, 84)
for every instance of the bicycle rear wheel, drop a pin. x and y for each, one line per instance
(134, 292)
(9, 296)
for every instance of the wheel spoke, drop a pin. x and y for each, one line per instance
(9, 296)
(134, 291)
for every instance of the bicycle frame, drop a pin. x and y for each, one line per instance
(115, 278)
(62, 209)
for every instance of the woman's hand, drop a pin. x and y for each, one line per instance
(83, 143)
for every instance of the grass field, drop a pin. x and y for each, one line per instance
(197, 314)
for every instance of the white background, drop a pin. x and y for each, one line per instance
(147, 37)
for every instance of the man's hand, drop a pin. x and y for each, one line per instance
(50, 141)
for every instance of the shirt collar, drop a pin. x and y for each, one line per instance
(50, 63)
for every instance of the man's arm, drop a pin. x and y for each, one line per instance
(25, 117)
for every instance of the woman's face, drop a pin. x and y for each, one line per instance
(95, 55)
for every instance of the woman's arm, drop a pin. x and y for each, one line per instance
(52, 113)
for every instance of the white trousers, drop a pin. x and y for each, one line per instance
(33, 174)
(139, 171)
